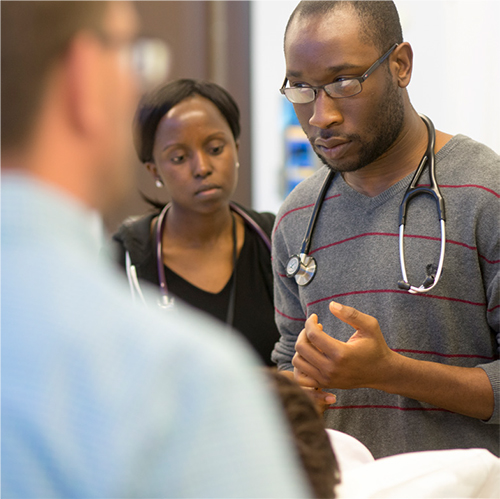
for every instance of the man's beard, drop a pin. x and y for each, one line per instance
(386, 128)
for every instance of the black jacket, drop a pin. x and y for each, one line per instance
(254, 309)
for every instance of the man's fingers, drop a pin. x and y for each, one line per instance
(353, 317)
(310, 352)
(322, 400)
(312, 321)
(321, 346)
(319, 395)
(304, 373)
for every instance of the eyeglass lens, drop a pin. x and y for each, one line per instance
(347, 87)
(339, 89)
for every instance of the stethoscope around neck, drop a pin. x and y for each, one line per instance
(303, 266)
(166, 300)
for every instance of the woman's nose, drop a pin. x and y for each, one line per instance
(202, 166)
(326, 111)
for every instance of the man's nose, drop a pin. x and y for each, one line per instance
(326, 111)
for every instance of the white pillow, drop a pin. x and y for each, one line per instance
(431, 474)
(349, 451)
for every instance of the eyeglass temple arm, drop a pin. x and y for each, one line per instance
(282, 89)
(371, 69)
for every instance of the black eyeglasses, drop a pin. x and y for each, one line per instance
(346, 87)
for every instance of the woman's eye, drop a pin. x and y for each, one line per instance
(216, 150)
(178, 158)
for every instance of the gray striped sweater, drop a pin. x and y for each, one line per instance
(355, 244)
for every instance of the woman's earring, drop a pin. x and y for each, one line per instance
(159, 183)
(237, 164)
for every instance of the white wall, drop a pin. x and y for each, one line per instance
(456, 76)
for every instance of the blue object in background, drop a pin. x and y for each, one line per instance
(300, 159)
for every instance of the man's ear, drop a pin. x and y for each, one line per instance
(83, 70)
(403, 63)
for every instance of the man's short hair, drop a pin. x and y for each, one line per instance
(34, 35)
(380, 24)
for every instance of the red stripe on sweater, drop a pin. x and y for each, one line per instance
(302, 319)
(301, 208)
(476, 186)
(333, 297)
(337, 407)
(424, 352)
(449, 241)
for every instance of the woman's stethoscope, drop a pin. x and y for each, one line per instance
(303, 267)
(165, 301)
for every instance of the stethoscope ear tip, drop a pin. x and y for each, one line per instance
(429, 281)
(426, 285)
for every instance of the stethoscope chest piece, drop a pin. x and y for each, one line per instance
(302, 267)
(165, 302)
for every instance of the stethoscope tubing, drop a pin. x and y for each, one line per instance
(303, 267)
(422, 289)
(165, 301)
(413, 191)
(306, 242)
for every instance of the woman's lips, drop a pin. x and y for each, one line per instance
(207, 190)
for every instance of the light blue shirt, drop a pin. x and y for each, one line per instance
(104, 399)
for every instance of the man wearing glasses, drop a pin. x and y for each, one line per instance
(425, 373)
(99, 398)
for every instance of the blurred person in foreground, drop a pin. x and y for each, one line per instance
(100, 399)
(200, 247)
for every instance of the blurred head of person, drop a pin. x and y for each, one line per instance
(68, 95)
(309, 436)
(187, 133)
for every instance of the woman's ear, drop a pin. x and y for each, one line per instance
(237, 143)
(237, 164)
(151, 167)
(403, 62)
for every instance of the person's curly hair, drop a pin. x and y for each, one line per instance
(310, 438)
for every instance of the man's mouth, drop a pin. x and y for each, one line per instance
(331, 148)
